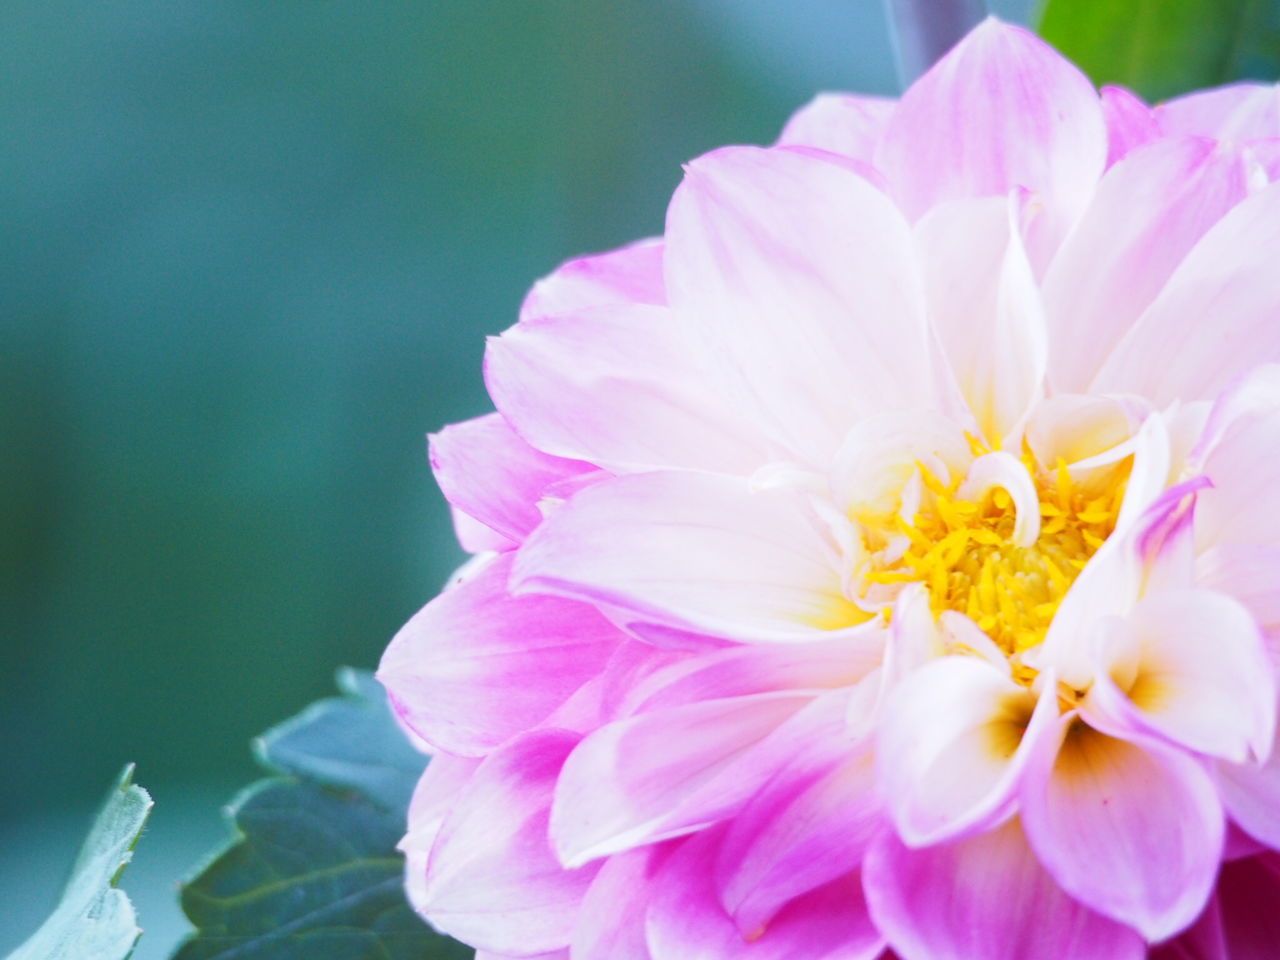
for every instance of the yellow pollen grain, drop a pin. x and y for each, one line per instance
(963, 551)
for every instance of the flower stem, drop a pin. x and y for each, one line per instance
(923, 30)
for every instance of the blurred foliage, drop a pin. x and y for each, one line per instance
(94, 920)
(250, 253)
(1162, 48)
(314, 871)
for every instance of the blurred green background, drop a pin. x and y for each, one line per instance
(250, 253)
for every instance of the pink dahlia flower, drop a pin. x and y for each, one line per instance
(885, 561)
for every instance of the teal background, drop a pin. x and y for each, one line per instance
(250, 253)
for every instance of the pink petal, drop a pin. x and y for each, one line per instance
(492, 880)
(985, 307)
(632, 274)
(1214, 319)
(474, 537)
(809, 825)
(693, 551)
(742, 670)
(686, 921)
(485, 470)
(953, 743)
(1203, 940)
(1132, 832)
(1248, 892)
(432, 798)
(626, 387)
(842, 123)
(1191, 668)
(1149, 210)
(554, 955)
(611, 925)
(477, 666)
(1130, 122)
(1241, 111)
(1001, 110)
(1251, 794)
(670, 772)
(802, 273)
(1249, 572)
(983, 897)
(1243, 507)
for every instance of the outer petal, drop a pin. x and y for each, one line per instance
(611, 925)
(1149, 210)
(435, 792)
(1191, 667)
(632, 274)
(984, 897)
(692, 551)
(477, 666)
(492, 880)
(686, 921)
(1130, 122)
(1001, 110)
(809, 825)
(842, 123)
(801, 272)
(1133, 833)
(954, 740)
(485, 470)
(669, 773)
(622, 386)
(1214, 319)
(1241, 111)
(1248, 892)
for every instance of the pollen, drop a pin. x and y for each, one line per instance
(965, 554)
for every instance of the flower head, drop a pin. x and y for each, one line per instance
(884, 559)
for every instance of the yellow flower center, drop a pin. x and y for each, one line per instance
(965, 553)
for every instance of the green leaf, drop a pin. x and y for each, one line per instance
(94, 920)
(313, 870)
(1162, 48)
(349, 741)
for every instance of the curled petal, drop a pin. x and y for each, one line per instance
(1191, 667)
(985, 307)
(953, 743)
(1133, 832)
